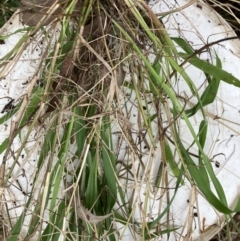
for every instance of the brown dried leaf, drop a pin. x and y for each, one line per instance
(67, 67)
(36, 10)
(31, 18)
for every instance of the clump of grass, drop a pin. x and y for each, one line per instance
(100, 59)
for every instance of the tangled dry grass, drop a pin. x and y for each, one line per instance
(85, 68)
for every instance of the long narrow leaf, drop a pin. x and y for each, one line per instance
(209, 94)
(209, 68)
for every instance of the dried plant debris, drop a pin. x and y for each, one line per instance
(47, 11)
(229, 10)
(9, 106)
(234, 234)
(3, 229)
(85, 66)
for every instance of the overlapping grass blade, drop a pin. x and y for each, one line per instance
(203, 184)
(202, 138)
(170, 159)
(153, 223)
(109, 162)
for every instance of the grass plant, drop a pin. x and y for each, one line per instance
(98, 66)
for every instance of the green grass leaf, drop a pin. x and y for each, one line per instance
(209, 94)
(170, 160)
(109, 162)
(184, 45)
(156, 221)
(210, 69)
(203, 183)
